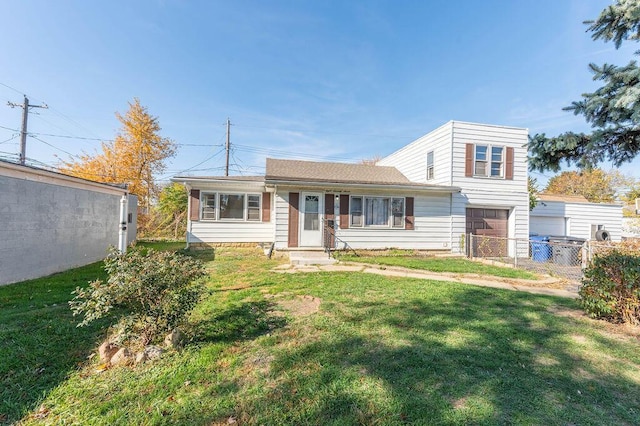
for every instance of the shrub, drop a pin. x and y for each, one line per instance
(150, 293)
(611, 287)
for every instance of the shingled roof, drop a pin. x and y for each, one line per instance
(561, 197)
(311, 171)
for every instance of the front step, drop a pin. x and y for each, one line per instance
(310, 258)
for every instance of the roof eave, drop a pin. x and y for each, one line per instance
(377, 186)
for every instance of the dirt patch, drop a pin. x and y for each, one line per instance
(300, 306)
(460, 403)
(567, 313)
(609, 330)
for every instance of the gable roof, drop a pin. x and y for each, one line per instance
(305, 171)
(321, 175)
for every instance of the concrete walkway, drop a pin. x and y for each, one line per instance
(534, 287)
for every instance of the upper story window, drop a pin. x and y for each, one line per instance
(486, 160)
(377, 212)
(489, 161)
(230, 206)
(430, 166)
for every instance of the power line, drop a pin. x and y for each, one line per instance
(54, 147)
(196, 165)
(13, 88)
(11, 138)
(9, 128)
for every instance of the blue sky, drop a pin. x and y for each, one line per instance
(316, 80)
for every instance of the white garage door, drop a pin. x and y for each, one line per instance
(546, 225)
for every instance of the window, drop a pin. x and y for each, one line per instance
(397, 212)
(253, 207)
(221, 206)
(356, 211)
(430, 167)
(481, 161)
(209, 206)
(489, 161)
(377, 212)
(231, 206)
(496, 161)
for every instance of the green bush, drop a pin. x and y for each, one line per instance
(148, 292)
(611, 287)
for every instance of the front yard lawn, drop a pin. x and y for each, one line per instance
(327, 348)
(457, 265)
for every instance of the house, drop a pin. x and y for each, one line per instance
(52, 222)
(460, 178)
(576, 217)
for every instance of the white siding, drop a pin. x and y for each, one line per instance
(282, 219)
(412, 159)
(516, 138)
(547, 225)
(449, 145)
(432, 229)
(220, 231)
(230, 232)
(582, 215)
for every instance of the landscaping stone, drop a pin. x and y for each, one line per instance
(149, 353)
(122, 357)
(174, 339)
(107, 350)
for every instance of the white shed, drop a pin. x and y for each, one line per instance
(574, 216)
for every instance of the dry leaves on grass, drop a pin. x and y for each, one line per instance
(299, 306)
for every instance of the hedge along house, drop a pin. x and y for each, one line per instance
(460, 178)
(51, 222)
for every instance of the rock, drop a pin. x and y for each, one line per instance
(122, 357)
(141, 357)
(107, 350)
(149, 353)
(174, 339)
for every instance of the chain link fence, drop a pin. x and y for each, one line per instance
(562, 257)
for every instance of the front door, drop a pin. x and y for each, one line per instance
(310, 220)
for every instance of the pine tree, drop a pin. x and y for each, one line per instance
(613, 111)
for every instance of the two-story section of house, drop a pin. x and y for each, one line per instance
(461, 178)
(488, 164)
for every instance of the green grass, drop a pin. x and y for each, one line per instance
(439, 264)
(385, 351)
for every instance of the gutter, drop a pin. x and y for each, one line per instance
(410, 187)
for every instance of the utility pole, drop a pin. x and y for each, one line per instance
(23, 132)
(228, 145)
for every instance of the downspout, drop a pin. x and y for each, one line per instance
(188, 232)
(122, 232)
(274, 217)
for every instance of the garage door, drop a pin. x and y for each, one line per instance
(489, 223)
(547, 225)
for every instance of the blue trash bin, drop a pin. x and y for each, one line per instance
(540, 248)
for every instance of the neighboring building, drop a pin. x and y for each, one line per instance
(575, 216)
(461, 178)
(51, 222)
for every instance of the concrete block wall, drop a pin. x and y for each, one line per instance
(50, 227)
